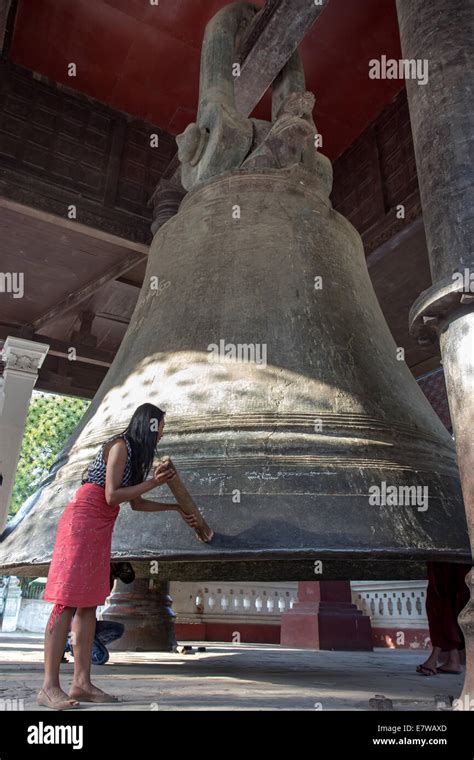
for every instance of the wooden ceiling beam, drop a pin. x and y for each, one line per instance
(84, 354)
(86, 291)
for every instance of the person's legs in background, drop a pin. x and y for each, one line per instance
(105, 633)
(445, 598)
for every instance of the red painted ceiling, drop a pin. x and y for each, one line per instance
(144, 59)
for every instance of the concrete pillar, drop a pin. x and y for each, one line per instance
(325, 618)
(22, 359)
(442, 121)
(144, 608)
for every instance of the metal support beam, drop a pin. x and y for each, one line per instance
(269, 43)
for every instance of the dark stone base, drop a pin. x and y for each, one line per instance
(146, 614)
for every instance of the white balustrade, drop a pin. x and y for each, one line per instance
(388, 603)
(399, 604)
(225, 601)
(392, 603)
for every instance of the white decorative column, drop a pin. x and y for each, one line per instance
(22, 359)
(12, 605)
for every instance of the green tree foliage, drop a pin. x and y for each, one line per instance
(51, 419)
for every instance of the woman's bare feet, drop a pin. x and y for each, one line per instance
(55, 698)
(90, 693)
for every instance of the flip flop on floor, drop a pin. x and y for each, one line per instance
(57, 704)
(450, 672)
(425, 670)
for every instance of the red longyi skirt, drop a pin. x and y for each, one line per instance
(79, 574)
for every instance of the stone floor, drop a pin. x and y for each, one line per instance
(236, 677)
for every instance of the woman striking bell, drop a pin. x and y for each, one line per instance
(78, 577)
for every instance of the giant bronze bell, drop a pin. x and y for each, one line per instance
(258, 331)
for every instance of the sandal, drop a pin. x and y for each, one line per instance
(425, 670)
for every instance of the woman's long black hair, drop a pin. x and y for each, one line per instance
(142, 432)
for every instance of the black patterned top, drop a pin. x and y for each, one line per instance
(97, 468)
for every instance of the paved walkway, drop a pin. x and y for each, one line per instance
(235, 677)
